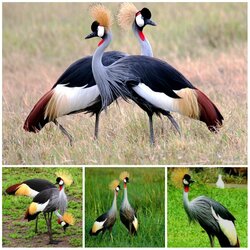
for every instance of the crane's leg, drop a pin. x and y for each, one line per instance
(151, 129)
(65, 132)
(36, 225)
(97, 119)
(211, 238)
(110, 232)
(174, 123)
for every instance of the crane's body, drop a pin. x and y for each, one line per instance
(127, 213)
(29, 187)
(153, 82)
(107, 220)
(47, 202)
(75, 91)
(213, 217)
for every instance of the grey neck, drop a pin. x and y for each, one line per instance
(114, 205)
(108, 84)
(146, 49)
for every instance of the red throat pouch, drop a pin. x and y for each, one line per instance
(141, 35)
(186, 188)
(100, 43)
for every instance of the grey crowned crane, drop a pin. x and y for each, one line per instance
(149, 81)
(30, 188)
(107, 220)
(213, 217)
(127, 213)
(75, 91)
(129, 16)
(49, 201)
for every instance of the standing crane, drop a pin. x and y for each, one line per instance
(152, 81)
(213, 217)
(49, 201)
(130, 16)
(75, 91)
(107, 220)
(127, 213)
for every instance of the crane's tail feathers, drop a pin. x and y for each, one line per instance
(195, 104)
(19, 189)
(12, 189)
(37, 119)
(209, 113)
(28, 216)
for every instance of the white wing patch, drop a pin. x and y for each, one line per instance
(158, 99)
(66, 100)
(41, 207)
(135, 223)
(227, 227)
(98, 225)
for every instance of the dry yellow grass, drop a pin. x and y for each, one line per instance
(38, 49)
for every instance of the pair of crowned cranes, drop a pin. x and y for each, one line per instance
(47, 199)
(127, 213)
(92, 83)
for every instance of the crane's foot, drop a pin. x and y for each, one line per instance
(54, 242)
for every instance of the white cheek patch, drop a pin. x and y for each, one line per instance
(117, 189)
(100, 31)
(139, 20)
(185, 182)
(61, 182)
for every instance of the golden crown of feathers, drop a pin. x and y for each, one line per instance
(126, 15)
(177, 175)
(113, 185)
(123, 175)
(101, 14)
(67, 178)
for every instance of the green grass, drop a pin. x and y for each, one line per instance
(207, 42)
(181, 233)
(19, 232)
(146, 195)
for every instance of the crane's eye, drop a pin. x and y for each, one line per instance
(185, 182)
(139, 20)
(100, 31)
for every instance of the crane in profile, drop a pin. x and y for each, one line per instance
(75, 91)
(129, 16)
(127, 213)
(49, 201)
(152, 81)
(213, 217)
(107, 220)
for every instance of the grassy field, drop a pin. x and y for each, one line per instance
(207, 42)
(181, 233)
(145, 194)
(17, 232)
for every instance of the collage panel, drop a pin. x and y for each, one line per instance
(202, 74)
(139, 203)
(42, 207)
(207, 207)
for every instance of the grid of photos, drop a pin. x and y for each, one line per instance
(124, 125)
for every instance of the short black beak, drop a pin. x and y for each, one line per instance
(191, 181)
(93, 34)
(150, 22)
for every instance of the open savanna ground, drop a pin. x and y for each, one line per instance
(181, 233)
(207, 42)
(146, 189)
(17, 232)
